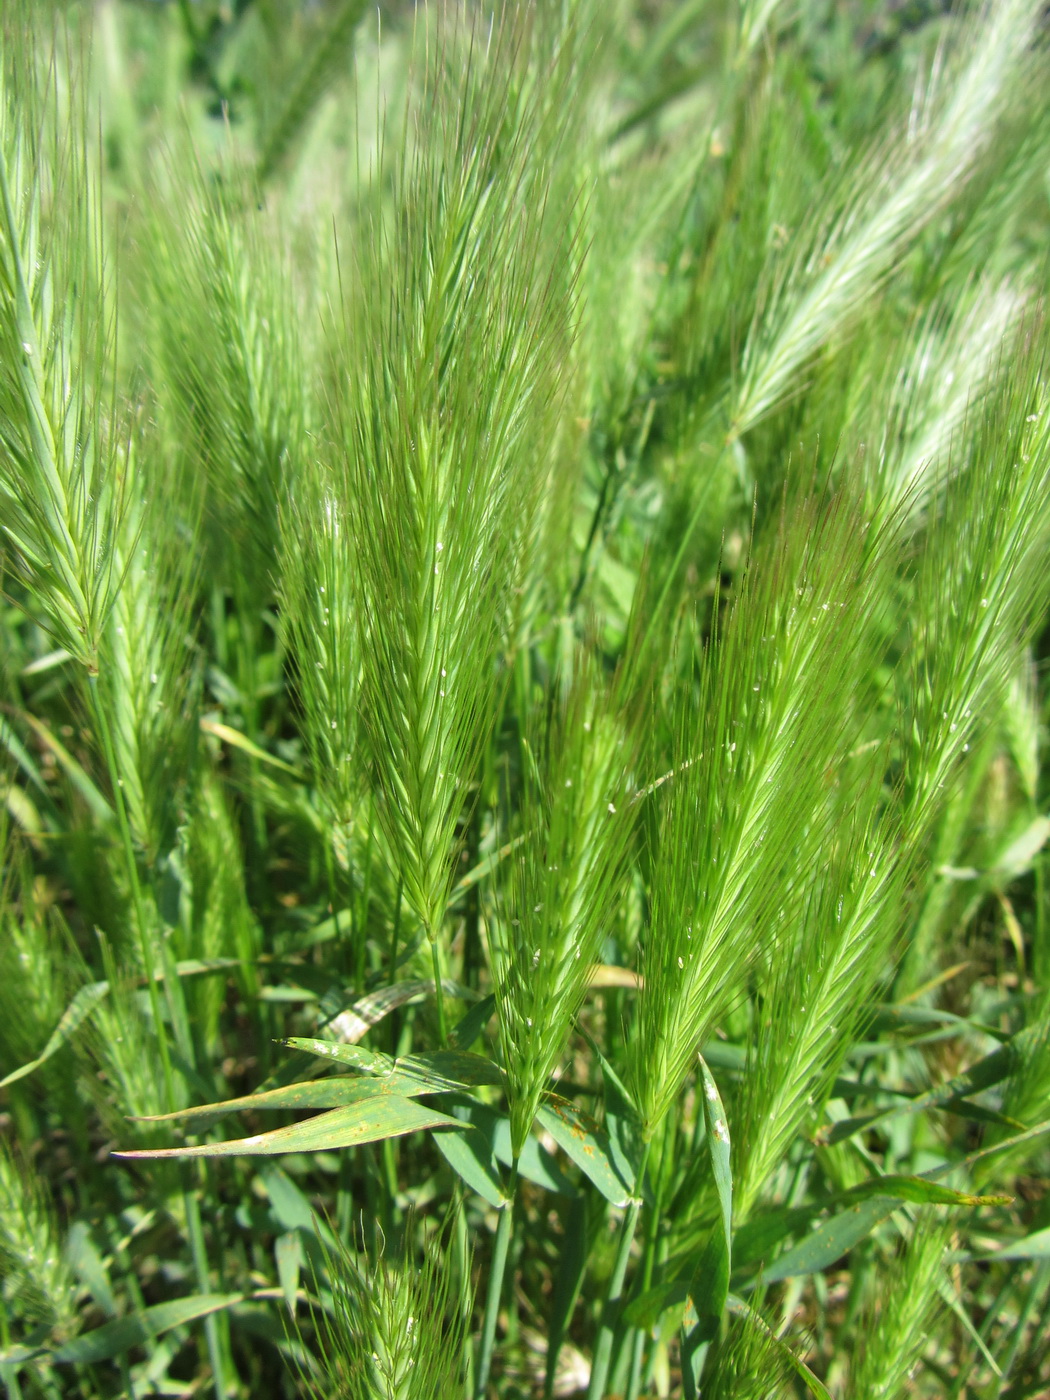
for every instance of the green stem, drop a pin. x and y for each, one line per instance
(652, 1242)
(395, 937)
(193, 1224)
(216, 1329)
(461, 1259)
(389, 1186)
(614, 1294)
(439, 993)
(495, 1292)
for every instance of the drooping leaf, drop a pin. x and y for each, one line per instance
(757, 1239)
(85, 1000)
(1033, 1246)
(237, 740)
(342, 1127)
(470, 1155)
(114, 1338)
(587, 1145)
(622, 1124)
(100, 809)
(352, 1024)
(535, 1163)
(336, 1092)
(438, 1071)
(920, 1190)
(830, 1240)
(465, 1032)
(985, 1074)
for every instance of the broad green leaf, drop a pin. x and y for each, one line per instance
(757, 1239)
(71, 1019)
(535, 1163)
(336, 1092)
(470, 1155)
(1034, 1246)
(649, 1307)
(920, 1190)
(87, 1263)
(342, 1127)
(126, 1332)
(589, 1147)
(622, 1124)
(830, 1240)
(466, 1031)
(456, 1066)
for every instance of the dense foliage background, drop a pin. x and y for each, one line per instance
(525, 599)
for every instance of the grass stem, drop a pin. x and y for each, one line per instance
(439, 991)
(614, 1293)
(495, 1290)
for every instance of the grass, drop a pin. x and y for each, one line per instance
(523, 697)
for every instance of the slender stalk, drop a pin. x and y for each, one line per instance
(193, 1221)
(652, 1239)
(216, 1330)
(495, 1292)
(395, 937)
(461, 1259)
(439, 993)
(614, 1294)
(8, 1372)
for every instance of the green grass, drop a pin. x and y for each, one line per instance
(524, 627)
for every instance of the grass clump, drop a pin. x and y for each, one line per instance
(523, 700)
